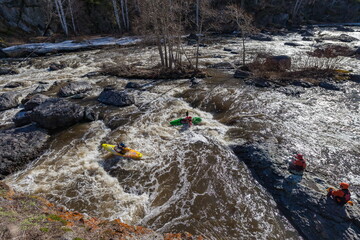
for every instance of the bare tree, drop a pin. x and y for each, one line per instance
(244, 23)
(116, 13)
(61, 14)
(161, 20)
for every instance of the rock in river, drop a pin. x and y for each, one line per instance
(57, 113)
(9, 100)
(116, 98)
(74, 88)
(19, 146)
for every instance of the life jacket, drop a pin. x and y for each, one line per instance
(345, 198)
(299, 165)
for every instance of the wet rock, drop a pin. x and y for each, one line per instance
(22, 118)
(14, 85)
(2, 54)
(56, 66)
(291, 91)
(312, 214)
(329, 86)
(42, 87)
(302, 84)
(293, 44)
(355, 78)
(241, 74)
(194, 82)
(9, 100)
(90, 114)
(277, 63)
(5, 71)
(307, 39)
(341, 38)
(116, 98)
(20, 146)
(133, 85)
(222, 65)
(258, 82)
(74, 88)
(35, 101)
(57, 113)
(91, 74)
(306, 33)
(261, 37)
(344, 29)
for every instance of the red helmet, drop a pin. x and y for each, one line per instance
(299, 156)
(344, 185)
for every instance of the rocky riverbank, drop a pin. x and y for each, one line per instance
(32, 217)
(301, 198)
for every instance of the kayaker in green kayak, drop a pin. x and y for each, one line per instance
(187, 119)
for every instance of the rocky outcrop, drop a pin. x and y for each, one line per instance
(116, 98)
(74, 88)
(57, 113)
(19, 146)
(313, 214)
(27, 15)
(9, 100)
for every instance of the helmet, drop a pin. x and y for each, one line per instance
(121, 145)
(344, 185)
(299, 156)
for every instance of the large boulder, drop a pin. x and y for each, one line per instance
(277, 63)
(9, 100)
(74, 88)
(57, 113)
(308, 209)
(20, 146)
(116, 98)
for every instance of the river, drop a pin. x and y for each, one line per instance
(189, 180)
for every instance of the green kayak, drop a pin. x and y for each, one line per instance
(177, 122)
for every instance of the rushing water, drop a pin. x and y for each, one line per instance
(189, 180)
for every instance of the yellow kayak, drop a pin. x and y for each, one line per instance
(131, 153)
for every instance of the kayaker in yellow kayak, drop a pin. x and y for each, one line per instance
(121, 148)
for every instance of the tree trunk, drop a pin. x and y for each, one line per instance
(72, 17)
(116, 13)
(60, 10)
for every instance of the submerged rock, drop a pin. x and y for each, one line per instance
(329, 86)
(19, 146)
(9, 100)
(313, 214)
(74, 88)
(57, 113)
(116, 98)
(4, 71)
(14, 85)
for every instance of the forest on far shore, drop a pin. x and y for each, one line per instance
(85, 17)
